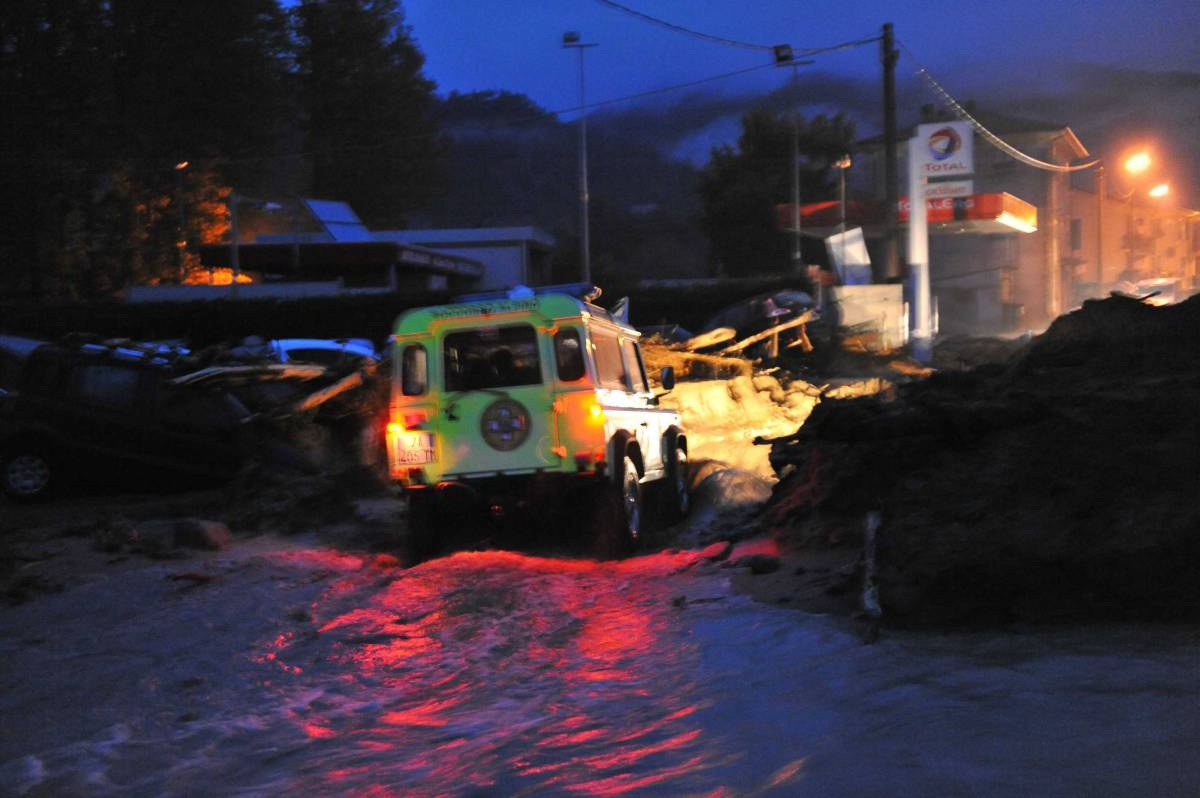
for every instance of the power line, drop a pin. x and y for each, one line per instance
(802, 51)
(988, 135)
(633, 12)
(662, 90)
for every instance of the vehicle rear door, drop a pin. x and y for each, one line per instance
(496, 404)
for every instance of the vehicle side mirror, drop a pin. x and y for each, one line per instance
(666, 378)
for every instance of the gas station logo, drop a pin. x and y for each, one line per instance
(944, 143)
(944, 149)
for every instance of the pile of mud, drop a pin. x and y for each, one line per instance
(1061, 484)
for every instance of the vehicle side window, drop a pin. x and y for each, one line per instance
(633, 361)
(111, 386)
(414, 370)
(568, 355)
(492, 357)
(610, 369)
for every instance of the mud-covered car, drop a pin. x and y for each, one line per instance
(101, 412)
(534, 400)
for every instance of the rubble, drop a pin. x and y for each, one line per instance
(1063, 483)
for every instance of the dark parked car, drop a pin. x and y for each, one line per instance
(110, 411)
(14, 351)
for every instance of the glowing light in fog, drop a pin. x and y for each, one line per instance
(1137, 163)
(1161, 190)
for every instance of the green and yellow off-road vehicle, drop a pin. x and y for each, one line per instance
(532, 400)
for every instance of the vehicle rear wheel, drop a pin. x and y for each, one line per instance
(618, 513)
(27, 473)
(678, 499)
(424, 526)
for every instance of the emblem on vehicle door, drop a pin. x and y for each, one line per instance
(504, 424)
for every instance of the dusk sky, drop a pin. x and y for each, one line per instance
(490, 44)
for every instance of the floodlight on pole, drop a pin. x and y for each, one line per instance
(1137, 163)
(571, 39)
(1159, 191)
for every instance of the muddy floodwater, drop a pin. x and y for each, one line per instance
(287, 668)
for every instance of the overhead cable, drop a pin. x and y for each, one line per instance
(801, 51)
(988, 135)
(633, 12)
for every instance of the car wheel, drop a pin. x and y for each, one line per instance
(27, 473)
(679, 499)
(618, 513)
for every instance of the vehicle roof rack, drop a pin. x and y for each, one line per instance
(585, 291)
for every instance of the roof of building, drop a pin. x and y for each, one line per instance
(339, 220)
(467, 236)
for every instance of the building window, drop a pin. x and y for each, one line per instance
(1076, 234)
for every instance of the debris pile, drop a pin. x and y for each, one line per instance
(1063, 483)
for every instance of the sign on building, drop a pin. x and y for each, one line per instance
(944, 149)
(950, 188)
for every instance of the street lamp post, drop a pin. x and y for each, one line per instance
(842, 165)
(1135, 164)
(570, 39)
(181, 241)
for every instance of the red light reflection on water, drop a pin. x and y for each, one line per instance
(551, 673)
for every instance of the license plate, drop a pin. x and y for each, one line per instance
(414, 448)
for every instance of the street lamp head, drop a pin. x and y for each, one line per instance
(179, 167)
(844, 162)
(1137, 163)
(1161, 190)
(570, 37)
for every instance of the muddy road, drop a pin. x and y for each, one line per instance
(286, 666)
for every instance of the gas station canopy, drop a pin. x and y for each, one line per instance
(977, 213)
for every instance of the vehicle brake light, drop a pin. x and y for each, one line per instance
(410, 421)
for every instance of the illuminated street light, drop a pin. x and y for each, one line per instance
(1161, 190)
(1137, 163)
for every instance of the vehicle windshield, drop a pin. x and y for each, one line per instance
(492, 357)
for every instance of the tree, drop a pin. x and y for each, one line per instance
(367, 108)
(102, 99)
(740, 189)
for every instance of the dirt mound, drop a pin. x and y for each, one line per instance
(1064, 483)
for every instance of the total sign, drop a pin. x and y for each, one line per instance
(945, 149)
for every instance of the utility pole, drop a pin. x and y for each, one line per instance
(785, 57)
(571, 39)
(1100, 189)
(891, 200)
